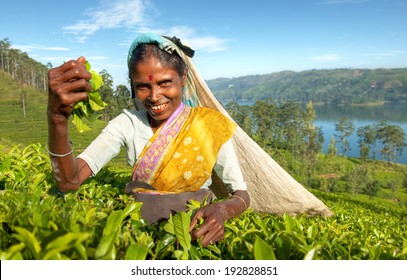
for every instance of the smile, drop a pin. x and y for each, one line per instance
(158, 107)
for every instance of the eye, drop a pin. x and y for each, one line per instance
(165, 83)
(141, 86)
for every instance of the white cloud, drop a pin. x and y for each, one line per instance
(326, 57)
(54, 59)
(28, 48)
(129, 14)
(188, 37)
(110, 15)
(208, 44)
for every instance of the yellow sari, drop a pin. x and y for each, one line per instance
(180, 156)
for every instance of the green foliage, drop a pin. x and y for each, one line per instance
(374, 181)
(345, 128)
(23, 69)
(89, 108)
(100, 222)
(336, 86)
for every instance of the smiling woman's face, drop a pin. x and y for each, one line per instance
(158, 88)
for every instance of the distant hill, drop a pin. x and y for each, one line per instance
(337, 86)
(22, 112)
(23, 118)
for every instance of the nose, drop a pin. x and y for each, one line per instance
(154, 94)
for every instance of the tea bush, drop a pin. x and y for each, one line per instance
(100, 222)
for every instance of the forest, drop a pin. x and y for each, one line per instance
(336, 86)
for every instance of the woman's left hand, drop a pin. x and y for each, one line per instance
(215, 215)
(212, 229)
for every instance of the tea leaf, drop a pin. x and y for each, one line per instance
(136, 251)
(88, 109)
(262, 250)
(181, 229)
(63, 243)
(106, 245)
(29, 240)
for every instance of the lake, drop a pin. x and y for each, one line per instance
(329, 115)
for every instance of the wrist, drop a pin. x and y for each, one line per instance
(241, 199)
(56, 118)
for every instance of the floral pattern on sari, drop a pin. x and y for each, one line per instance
(181, 156)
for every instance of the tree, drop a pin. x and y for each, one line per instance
(291, 123)
(122, 96)
(332, 150)
(22, 68)
(371, 188)
(264, 114)
(358, 178)
(364, 151)
(5, 45)
(345, 128)
(235, 112)
(313, 142)
(367, 140)
(404, 185)
(392, 138)
(247, 124)
(106, 93)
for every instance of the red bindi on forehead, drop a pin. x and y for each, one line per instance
(150, 77)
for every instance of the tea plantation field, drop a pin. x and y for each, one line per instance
(100, 222)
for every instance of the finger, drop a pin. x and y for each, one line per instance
(198, 215)
(76, 73)
(73, 86)
(80, 85)
(70, 99)
(82, 59)
(203, 229)
(211, 237)
(207, 240)
(69, 82)
(73, 92)
(68, 71)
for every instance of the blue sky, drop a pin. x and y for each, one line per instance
(231, 38)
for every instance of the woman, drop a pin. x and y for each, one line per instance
(172, 146)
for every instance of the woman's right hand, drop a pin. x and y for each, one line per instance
(67, 84)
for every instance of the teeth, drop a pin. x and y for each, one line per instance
(159, 107)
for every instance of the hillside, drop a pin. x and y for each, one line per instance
(337, 86)
(19, 126)
(22, 110)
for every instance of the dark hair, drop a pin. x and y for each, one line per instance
(146, 51)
